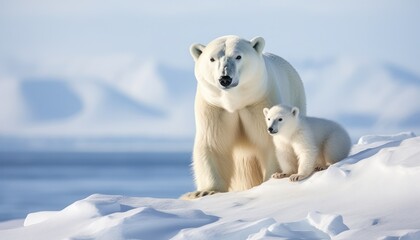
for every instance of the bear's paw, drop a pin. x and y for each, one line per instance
(197, 194)
(320, 168)
(279, 175)
(297, 177)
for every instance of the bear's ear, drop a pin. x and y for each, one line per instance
(265, 111)
(196, 50)
(258, 44)
(295, 111)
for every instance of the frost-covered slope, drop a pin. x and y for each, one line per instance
(373, 194)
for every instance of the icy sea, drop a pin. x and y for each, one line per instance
(43, 181)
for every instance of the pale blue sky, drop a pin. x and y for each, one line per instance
(163, 30)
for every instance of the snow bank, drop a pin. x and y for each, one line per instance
(373, 194)
(315, 226)
(368, 139)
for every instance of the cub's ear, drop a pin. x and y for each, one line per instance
(295, 111)
(196, 50)
(258, 44)
(265, 111)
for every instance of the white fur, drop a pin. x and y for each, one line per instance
(232, 150)
(304, 144)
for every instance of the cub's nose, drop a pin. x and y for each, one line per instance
(270, 129)
(225, 81)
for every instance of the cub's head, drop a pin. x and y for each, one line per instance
(228, 61)
(281, 119)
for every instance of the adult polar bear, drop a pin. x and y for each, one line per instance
(236, 80)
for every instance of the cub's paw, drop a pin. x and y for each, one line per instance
(296, 177)
(197, 194)
(279, 175)
(320, 168)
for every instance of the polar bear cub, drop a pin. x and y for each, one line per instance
(304, 144)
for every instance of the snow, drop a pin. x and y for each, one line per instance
(372, 194)
(315, 226)
(369, 139)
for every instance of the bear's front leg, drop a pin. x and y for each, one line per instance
(287, 161)
(306, 154)
(216, 133)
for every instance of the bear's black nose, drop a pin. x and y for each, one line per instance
(270, 129)
(225, 81)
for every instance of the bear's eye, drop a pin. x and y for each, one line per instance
(211, 59)
(268, 119)
(238, 57)
(280, 119)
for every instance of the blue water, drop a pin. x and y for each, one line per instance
(44, 181)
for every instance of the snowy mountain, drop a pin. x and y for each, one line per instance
(146, 102)
(366, 97)
(372, 194)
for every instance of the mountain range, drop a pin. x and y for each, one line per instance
(149, 105)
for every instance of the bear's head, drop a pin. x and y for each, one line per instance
(281, 119)
(228, 62)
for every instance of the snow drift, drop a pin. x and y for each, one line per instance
(372, 194)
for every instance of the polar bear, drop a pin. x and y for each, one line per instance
(304, 144)
(235, 81)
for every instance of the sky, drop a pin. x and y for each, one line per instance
(122, 46)
(158, 30)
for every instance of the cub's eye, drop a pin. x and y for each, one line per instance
(268, 119)
(280, 119)
(211, 59)
(238, 57)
